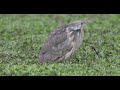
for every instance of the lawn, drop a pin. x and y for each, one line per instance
(23, 35)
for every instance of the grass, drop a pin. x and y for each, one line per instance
(22, 36)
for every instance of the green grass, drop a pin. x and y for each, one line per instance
(22, 36)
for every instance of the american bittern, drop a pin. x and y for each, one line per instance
(63, 42)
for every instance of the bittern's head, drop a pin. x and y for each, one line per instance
(78, 25)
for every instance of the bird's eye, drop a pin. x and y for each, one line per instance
(81, 23)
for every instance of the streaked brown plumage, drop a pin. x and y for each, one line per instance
(63, 42)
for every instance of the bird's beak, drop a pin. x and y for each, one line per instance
(86, 22)
(89, 21)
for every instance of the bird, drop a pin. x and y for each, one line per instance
(63, 42)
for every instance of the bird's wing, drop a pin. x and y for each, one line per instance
(57, 43)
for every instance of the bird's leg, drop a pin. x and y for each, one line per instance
(76, 58)
(96, 51)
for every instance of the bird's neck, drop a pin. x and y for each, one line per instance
(77, 30)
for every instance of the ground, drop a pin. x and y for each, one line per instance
(22, 36)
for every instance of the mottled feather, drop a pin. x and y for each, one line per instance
(62, 42)
(55, 46)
